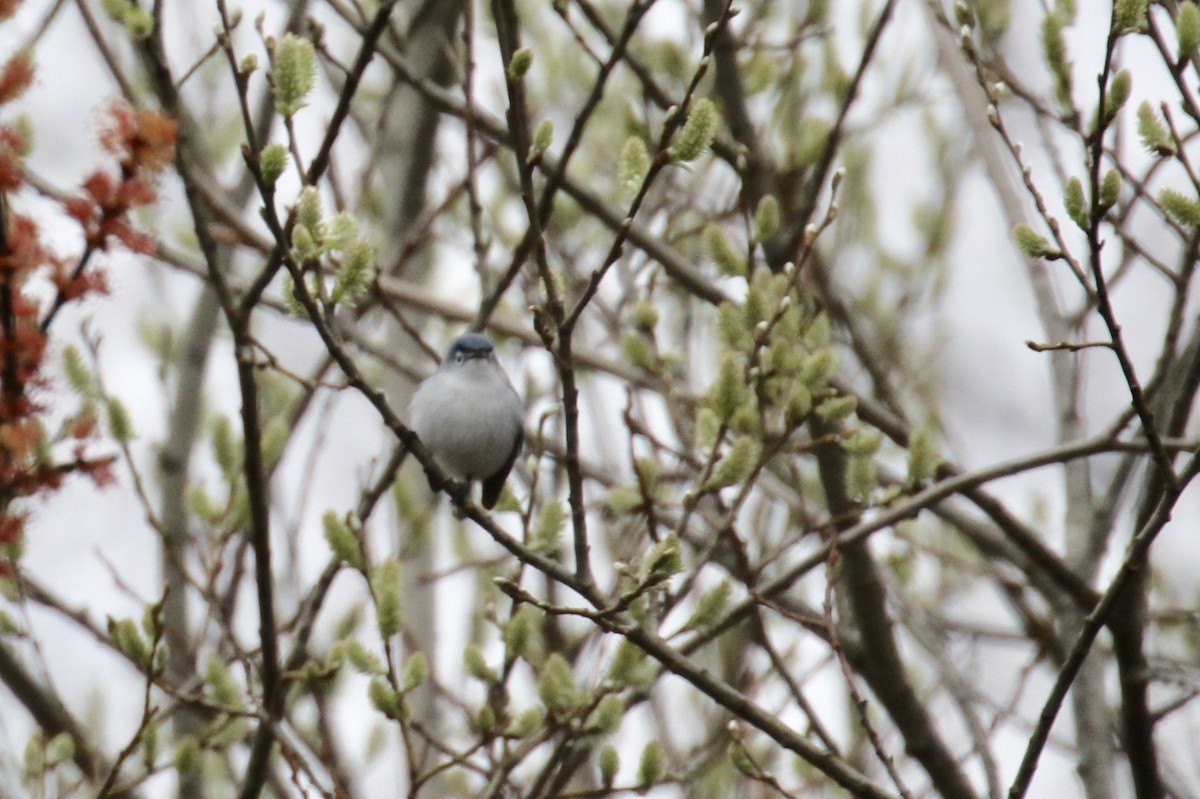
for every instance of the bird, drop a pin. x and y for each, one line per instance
(470, 417)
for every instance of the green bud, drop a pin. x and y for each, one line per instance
(733, 329)
(1187, 29)
(385, 585)
(271, 162)
(187, 754)
(221, 686)
(766, 218)
(697, 133)
(304, 246)
(922, 457)
(605, 719)
(710, 607)
(343, 543)
(525, 723)
(610, 764)
(356, 273)
(860, 476)
(727, 260)
(740, 759)
(1118, 92)
(119, 425)
(362, 659)
(1032, 243)
(308, 210)
(522, 634)
(707, 425)
(522, 60)
(7, 625)
(736, 466)
(624, 499)
(384, 698)
(546, 535)
(556, 686)
(1054, 50)
(632, 165)
(294, 74)
(836, 409)
(799, 404)
(729, 391)
(1110, 189)
(60, 749)
(78, 375)
(651, 765)
(817, 335)
(201, 505)
(863, 443)
(1183, 210)
(128, 639)
(662, 561)
(1153, 133)
(416, 671)
(485, 719)
(249, 64)
(1075, 203)
(476, 666)
(543, 134)
(629, 668)
(639, 352)
(1129, 16)
(645, 316)
(150, 745)
(138, 23)
(817, 368)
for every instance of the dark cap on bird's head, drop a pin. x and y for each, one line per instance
(470, 346)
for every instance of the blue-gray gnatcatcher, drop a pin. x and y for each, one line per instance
(469, 416)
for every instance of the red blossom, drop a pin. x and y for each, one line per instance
(15, 77)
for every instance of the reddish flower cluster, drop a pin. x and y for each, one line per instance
(143, 143)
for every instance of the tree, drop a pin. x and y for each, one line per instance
(859, 432)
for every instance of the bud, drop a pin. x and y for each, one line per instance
(729, 391)
(556, 686)
(836, 409)
(1075, 203)
(546, 535)
(766, 218)
(271, 162)
(1183, 210)
(662, 561)
(610, 764)
(384, 698)
(476, 666)
(522, 60)
(697, 133)
(1110, 189)
(736, 466)
(651, 765)
(343, 543)
(1154, 134)
(294, 74)
(632, 164)
(1032, 243)
(543, 134)
(385, 585)
(728, 261)
(416, 671)
(119, 425)
(1187, 29)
